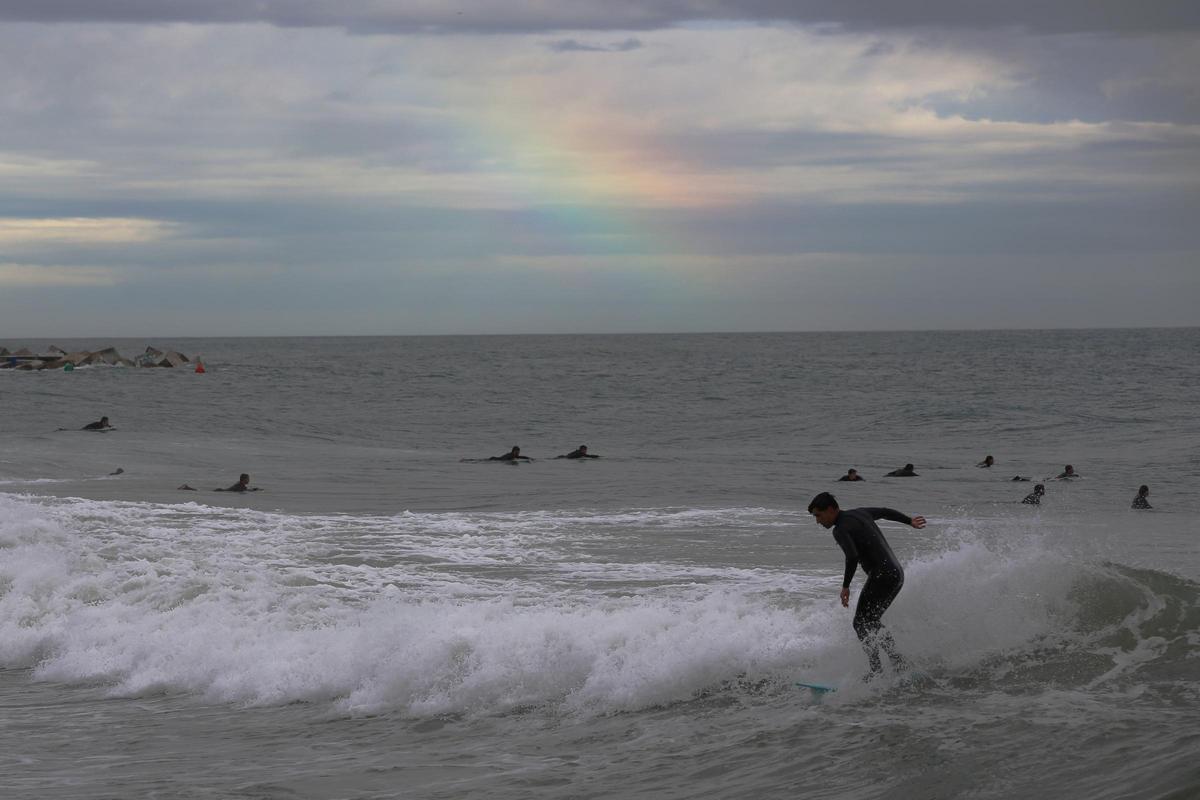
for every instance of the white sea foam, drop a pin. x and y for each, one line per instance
(432, 614)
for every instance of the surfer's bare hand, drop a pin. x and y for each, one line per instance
(918, 522)
(845, 598)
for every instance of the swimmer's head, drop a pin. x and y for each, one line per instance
(1039, 489)
(1143, 490)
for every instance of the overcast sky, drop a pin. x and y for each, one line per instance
(312, 167)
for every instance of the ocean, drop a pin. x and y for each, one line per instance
(392, 616)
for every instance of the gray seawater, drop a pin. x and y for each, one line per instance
(386, 619)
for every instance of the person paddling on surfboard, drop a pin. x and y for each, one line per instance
(243, 485)
(579, 452)
(511, 455)
(99, 425)
(862, 542)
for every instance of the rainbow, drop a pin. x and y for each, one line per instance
(585, 189)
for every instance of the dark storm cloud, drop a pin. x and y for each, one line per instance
(1061, 16)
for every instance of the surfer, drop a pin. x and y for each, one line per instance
(987, 462)
(1143, 498)
(862, 542)
(97, 426)
(511, 455)
(1067, 474)
(1034, 498)
(580, 452)
(851, 475)
(243, 485)
(1020, 478)
(904, 472)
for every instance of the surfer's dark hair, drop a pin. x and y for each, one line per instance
(822, 501)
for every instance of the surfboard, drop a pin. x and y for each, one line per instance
(817, 689)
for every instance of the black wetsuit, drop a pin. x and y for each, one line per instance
(848, 478)
(509, 457)
(903, 472)
(862, 542)
(578, 454)
(1141, 502)
(96, 426)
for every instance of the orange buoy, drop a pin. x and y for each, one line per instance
(200, 367)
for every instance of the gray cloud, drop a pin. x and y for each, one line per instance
(885, 292)
(1085, 77)
(626, 46)
(481, 16)
(312, 182)
(573, 46)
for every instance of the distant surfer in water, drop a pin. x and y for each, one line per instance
(851, 475)
(243, 485)
(97, 426)
(1143, 498)
(511, 455)
(580, 452)
(987, 462)
(904, 472)
(1067, 474)
(862, 542)
(1034, 498)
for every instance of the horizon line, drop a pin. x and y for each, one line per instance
(609, 333)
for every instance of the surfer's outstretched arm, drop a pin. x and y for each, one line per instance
(895, 516)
